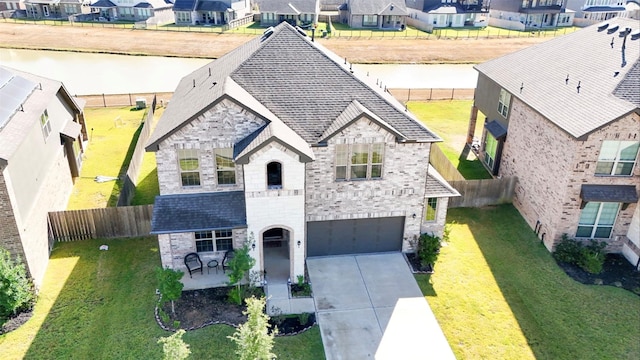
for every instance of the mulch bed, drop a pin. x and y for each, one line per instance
(15, 322)
(416, 266)
(617, 271)
(199, 308)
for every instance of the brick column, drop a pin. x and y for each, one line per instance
(472, 124)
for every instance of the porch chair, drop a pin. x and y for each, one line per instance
(225, 261)
(193, 263)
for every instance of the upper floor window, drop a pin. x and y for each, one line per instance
(274, 175)
(432, 206)
(503, 102)
(189, 167)
(45, 123)
(359, 161)
(617, 157)
(205, 240)
(225, 167)
(597, 219)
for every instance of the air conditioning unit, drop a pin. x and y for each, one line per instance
(141, 103)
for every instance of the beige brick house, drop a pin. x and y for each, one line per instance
(280, 143)
(42, 131)
(563, 116)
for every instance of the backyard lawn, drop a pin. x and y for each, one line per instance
(449, 119)
(498, 294)
(99, 305)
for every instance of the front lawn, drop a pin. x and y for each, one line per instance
(99, 305)
(449, 119)
(498, 294)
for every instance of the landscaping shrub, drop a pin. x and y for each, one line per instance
(590, 257)
(16, 289)
(169, 285)
(240, 265)
(429, 249)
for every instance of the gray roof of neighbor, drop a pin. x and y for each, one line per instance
(217, 6)
(198, 212)
(378, 7)
(103, 3)
(182, 5)
(287, 77)
(289, 7)
(579, 81)
(437, 186)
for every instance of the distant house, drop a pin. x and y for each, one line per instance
(47, 9)
(131, 10)
(589, 12)
(295, 12)
(42, 129)
(205, 12)
(456, 13)
(529, 14)
(568, 127)
(12, 5)
(279, 143)
(376, 14)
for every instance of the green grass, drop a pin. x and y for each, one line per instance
(147, 187)
(498, 294)
(112, 133)
(99, 305)
(450, 120)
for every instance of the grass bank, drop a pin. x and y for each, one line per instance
(498, 294)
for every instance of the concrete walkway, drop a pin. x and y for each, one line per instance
(370, 306)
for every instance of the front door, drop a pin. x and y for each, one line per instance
(45, 10)
(275, 244)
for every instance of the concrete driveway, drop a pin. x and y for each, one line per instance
(370, 306)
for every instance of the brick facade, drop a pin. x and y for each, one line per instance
(552, 166)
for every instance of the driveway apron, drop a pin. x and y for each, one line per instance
(370, 307)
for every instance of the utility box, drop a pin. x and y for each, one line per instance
(141, 103)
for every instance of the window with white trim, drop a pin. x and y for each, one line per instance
(431, 209)
(206, 242)
(503, 102)
(370, 20)
(617, 158)
(597, 219)
(45, 123)
(225, 167)
(490, 149)
(189, 163)
(359, 161)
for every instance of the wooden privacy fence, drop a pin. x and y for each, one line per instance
(112, 222)
(441, 163)
(478, 193)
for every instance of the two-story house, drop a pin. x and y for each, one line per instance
(529, 14)
(42, 131)
(589, 12)
(207, 12)
(564, 117)
(51, 9)
(132, 10)
(449, 13)
(296, 12)
(278, 142)
(377, 14)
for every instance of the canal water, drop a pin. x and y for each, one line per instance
(87, 73)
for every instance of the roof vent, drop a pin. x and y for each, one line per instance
(613, 29)
(624, 32)
(635, 35)
(603, 27)
(267, 33)
(301, 31)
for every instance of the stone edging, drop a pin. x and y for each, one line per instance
(166, 328)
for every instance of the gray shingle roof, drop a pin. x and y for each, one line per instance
(198, 212)
(371, 7)
(288, 7)
(609, 193)
(103, 3)
(217, 6)
(496, 129)
(437, 186)
(184, 5)
(287, 77)
(586, 58)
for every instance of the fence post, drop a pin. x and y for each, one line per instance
(430, 93)
(452, 91)
(130, 103)
(409, 95)
(104, 101)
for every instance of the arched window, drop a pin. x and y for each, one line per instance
(274, 175)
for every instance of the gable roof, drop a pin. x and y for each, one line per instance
(437, 186)
(184, 5)
(298, 81)
(580, 82)
(378, 7)
(288, 7)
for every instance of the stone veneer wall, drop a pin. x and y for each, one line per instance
(9, 234)
(400, 192)
(436, 227)
(552, 166)
(220, 127)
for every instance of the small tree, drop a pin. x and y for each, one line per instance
(174, 347)
(253, 340)
(16, 289)
(240, 265)
(169, 285)
(428, 249)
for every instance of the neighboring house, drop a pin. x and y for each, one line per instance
(12, 5)
(529, 14)
(589, 12)
(377, 14)
(42, 131)
(295, 12)
(568, 127)
(54, 9)
(204, 12)
(278, 142)
(449, 13)
(131, 10)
